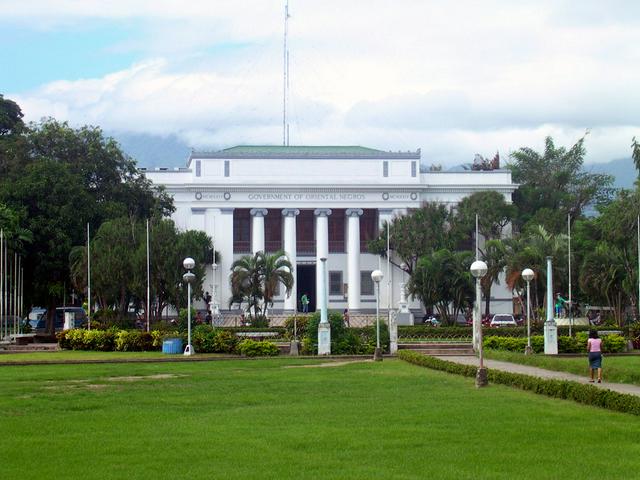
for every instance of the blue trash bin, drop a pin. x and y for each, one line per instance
(172, 346)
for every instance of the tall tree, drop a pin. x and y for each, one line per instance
(420, 232)
(255, 278)
(554, 184)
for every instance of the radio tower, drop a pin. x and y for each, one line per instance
(285, 96)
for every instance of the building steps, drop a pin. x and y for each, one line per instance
(440, 349)
(31, 347)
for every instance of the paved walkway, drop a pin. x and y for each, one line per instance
(543, 373)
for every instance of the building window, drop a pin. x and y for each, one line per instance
(305, 236)
(337, 222)
(226, 168)
(273, 232)
(413, 168)
(198, 168)
(368, 228)
(366, 283)
(241, 230)
(335, 283)
(385, 168)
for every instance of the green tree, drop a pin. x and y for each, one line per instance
(118, 264)
(442, 279)
(420, 232)
(254, 280)
(554, 184)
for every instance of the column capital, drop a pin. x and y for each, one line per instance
(290, 212)
(353, 212)
(258, 212)
(322, 212)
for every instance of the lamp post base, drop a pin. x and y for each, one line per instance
(294, 348)
(189, 350)
(528, 350)
(377, 354)
(481, 378)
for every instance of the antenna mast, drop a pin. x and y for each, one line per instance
(285, 96)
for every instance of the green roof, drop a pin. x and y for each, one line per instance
(304, 151)
(301, 149)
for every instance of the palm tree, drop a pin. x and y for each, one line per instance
(255, 279)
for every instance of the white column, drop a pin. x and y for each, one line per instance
(224, 244)
(290, 214)
(322, 250)
(257, 229)
(353, 257)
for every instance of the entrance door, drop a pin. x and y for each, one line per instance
(306, 283)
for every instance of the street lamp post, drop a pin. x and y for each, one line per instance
(189, 263)
(479, 270)
(528, 274)
(377, 277)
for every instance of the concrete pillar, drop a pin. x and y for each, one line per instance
(224, 244)
(257, 229)
(322, 251)
(353, 258)
(290, 214)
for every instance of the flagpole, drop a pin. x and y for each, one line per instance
(88, 279)
(148, 278)
(570, 304)
(388, 277)
(2, 317)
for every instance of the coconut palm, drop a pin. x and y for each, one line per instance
(255, 279)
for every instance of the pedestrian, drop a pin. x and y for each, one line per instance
(209, 318)
(594, 349)
(560, 303)
(345, 316)
(305, 303)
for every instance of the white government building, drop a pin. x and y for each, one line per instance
(314, 202)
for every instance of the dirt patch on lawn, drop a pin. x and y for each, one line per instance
(136, 378)
(328, 364)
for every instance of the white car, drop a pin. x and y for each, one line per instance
(503, 320)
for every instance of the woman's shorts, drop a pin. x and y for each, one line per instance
(595, 360)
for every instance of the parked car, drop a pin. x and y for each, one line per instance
(79, 318)
(503, 320)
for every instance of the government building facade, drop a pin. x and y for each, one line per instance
(314, 203)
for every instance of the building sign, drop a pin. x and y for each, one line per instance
(267, 197)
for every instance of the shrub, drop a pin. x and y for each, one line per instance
(133, 341)
(302, 321)
(251, 348)
(225, 342)
(567, 390)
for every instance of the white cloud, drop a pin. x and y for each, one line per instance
(451, 78)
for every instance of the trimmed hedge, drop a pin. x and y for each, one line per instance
(426, 331)
(563, 389)
(251, 348)
(577, 344)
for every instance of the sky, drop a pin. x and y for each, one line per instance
(451, 78)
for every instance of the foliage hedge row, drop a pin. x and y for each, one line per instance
(577, 344)
(566, 390)
(426, 331)
(205, 339)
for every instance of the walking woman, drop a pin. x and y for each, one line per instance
(594, 347)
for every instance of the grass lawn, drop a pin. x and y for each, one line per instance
(621, 369)
(65, 355)
(265, 420)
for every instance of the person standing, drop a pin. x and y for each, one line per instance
(594, 349)
(305, 303)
